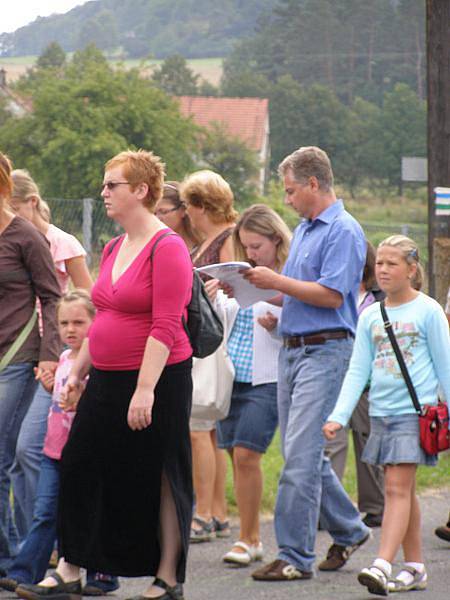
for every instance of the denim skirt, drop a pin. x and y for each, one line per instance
(253, 417)
(395, 440)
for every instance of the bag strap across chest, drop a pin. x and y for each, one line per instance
(401, 361)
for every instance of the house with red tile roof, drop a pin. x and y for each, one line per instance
(244, 118)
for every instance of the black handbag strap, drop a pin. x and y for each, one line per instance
(401, 361)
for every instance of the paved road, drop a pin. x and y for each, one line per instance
(210, 579)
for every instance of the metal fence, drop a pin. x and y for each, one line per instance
(86, 219)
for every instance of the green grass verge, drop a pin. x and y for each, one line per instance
(272, 462)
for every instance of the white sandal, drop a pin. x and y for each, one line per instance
(250, 554)
(375, 579)
(418, 582)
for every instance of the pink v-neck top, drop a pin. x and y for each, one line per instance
(148, 299)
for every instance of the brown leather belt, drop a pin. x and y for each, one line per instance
(295, 341)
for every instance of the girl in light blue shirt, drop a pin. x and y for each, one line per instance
(422, 332)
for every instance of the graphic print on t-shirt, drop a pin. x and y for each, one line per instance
(407, 338)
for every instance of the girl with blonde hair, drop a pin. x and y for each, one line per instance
(421, 329)
(69, 259)
(262, 238)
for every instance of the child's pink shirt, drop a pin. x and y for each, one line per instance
(63, 246)
(148, 299)
(59, 422)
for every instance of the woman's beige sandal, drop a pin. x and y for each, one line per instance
(251, 553)
(419, 581)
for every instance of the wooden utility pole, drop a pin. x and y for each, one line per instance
(438, 83)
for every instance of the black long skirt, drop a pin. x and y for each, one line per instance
(109, 500)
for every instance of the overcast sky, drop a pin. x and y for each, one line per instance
(17, 13)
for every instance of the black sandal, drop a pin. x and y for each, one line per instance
(171, 592)
(63, 590)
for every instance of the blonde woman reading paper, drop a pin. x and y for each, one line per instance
(263, 238)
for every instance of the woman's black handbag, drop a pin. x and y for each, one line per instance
(203, 327)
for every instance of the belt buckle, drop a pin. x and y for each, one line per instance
(294, 341)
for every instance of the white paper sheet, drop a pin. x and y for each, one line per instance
(245, 292)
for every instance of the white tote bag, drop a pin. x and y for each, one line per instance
(213, 378)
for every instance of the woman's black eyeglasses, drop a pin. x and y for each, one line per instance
(112, 184)
(166, 211)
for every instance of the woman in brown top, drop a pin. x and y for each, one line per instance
(209, 202)
(26, 273)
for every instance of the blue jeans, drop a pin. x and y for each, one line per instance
(17, 387)
(31, 563)
(309, 381)
(25, 471)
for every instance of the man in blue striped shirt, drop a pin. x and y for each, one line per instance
(319, 286)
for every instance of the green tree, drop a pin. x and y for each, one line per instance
(100, 30)
(275, 199)
(234, 160)
(86, 115)
(401, 132)
(355, 48)
(175, 77)
(4, 113)
(311, 116)
(362, 146)
(206, 88)
(52, 57)
(245, 83)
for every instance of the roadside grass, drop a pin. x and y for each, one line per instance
(385, 205)
(272, 462)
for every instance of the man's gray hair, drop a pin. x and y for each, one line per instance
(309, 161)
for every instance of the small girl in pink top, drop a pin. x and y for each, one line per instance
(75, 315)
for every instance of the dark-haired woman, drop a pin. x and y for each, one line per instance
(172, 211)
(26, 273)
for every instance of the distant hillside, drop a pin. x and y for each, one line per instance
(193, 28)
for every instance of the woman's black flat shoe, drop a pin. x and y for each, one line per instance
(171, 593)
(61, 591)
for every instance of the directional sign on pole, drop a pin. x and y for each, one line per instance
(442, 201)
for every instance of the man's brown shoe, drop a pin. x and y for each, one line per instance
(337, 555)
(443, 532)
(280, 570)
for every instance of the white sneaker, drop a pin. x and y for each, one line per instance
(375, 580)
(251, 553)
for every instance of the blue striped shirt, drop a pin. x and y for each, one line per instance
(330, 250)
